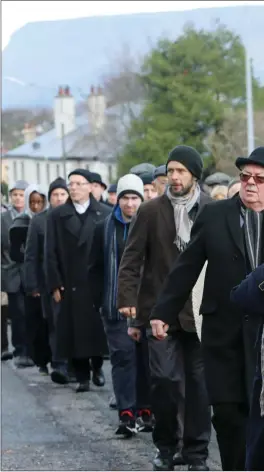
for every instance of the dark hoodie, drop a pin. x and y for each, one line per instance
(19, 229)
(108, 246)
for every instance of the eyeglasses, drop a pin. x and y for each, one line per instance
(258, 179)
(77, 184)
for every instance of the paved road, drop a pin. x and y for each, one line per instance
(48, 427)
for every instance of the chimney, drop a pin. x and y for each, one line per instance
(96, 109)
(29, 132)
(64, 111)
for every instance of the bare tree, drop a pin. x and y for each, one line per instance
(230, 141)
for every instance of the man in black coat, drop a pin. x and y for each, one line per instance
(69, 234)
(34, 276)
(229, 236)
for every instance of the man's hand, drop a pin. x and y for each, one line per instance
(134, 333)
(35, 294)
(57, 294)
(128, 312)
(159, 329)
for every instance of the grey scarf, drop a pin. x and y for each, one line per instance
(252, 229)
(183, 224)
(14, 213)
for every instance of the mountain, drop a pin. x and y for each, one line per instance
(79, 52)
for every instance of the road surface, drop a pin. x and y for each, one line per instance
(50, 427)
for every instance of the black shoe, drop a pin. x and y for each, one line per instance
(127, 424)
(98, 378)
(163, 462)
(23, 361)
(6, 356)
(178, 459)
(83, 387)
(198, 465)
(144, 421)
(112, 403)
(43, 370)
(60, 376)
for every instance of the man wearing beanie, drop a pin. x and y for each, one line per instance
(228, 235)
(149, 187)
(125, 355)
(34, 259)
(11, 275)
(160, 233)
(79, 331)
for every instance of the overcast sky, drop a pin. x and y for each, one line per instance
(16, 14)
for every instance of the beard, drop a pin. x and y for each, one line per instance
(184, 191)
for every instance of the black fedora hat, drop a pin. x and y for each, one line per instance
(96, 178)
(256, 157)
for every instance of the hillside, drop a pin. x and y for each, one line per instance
(79, 52)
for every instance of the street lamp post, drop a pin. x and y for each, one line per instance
(249, 97)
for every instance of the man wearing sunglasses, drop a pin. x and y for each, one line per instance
(229, 235)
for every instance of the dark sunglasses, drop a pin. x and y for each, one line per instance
(258, 179)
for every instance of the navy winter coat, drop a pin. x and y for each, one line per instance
(249, 295)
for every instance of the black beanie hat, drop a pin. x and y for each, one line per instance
(189, 157)
(57, 183)
(147, 178)
(83, 172)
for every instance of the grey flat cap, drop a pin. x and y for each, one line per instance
(19, 185)
(160, 171)
(218, 178)
(143, 168)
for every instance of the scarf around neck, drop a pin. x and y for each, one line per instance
(183, 224)
(252, 230)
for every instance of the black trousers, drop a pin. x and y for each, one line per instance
(37, 332)
(173, 361)
(255, 432)
(16, 308)
(4, 337)
(230, 423)
(83, 367)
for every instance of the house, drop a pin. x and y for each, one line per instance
(89, 141)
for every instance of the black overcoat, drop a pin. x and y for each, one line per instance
(79, 329)
(228, 332)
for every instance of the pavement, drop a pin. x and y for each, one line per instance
(49, 427)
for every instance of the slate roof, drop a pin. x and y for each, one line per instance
(80, 143)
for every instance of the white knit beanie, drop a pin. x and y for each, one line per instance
(130, 183)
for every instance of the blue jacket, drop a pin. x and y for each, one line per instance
(249, 295)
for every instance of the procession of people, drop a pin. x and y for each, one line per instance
(163, 273)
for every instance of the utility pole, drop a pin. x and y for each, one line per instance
(249, 96)
(64, 157)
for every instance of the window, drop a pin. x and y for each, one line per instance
(58, 170)
(110, 173)
(15, 170)
(22, 170)
(48, 173)
(38, 172)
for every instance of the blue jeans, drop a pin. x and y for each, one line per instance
(130, 369)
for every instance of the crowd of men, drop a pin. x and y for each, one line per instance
(166, 277)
